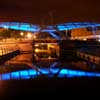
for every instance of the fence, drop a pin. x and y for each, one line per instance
(7, 48)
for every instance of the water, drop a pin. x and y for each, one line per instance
(23, 67)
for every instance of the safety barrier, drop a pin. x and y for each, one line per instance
(7, 49)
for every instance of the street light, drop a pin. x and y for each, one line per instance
(34, 36)
(21, 33)
(29, 35)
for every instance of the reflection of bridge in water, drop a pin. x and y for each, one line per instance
(22, 67)
(47, 72)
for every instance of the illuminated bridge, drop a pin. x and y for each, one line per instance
(20, 26)
(50, 29)
(26, 74)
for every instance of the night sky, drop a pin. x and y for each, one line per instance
(38, 11)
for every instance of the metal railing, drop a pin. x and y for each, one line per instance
(4, 49)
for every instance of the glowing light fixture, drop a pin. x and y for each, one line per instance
(29, 35)
(98, 40)
(36, 50)
(36, 45)
(84, 39)
(6, 27)
(21, 33)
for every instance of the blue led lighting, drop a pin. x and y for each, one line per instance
(36, 28)
(24, 74)
(53, 65)
(54, 71)
(69, 76)
(98, 75)
(46, 30)
(74, 25)
(78, 73)
(54, 35)
(5, 76)
(15, 75)
(32, 72)
(44, 71)
(20, 26)
(27, 74)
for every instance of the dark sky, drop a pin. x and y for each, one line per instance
(37, 11)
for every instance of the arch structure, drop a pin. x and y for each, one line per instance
(50, 29)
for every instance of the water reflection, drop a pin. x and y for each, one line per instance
(23, 67)
(30, 73)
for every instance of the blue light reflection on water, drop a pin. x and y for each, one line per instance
(44, 71)
(15, 75)
(5, 76)
(67, 73)
(24, 74)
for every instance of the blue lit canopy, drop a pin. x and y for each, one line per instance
(36, 28)
(74, 25)
(20, 26)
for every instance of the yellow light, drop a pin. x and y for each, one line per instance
(99, 40)
(84, 39)
(29, 35)
(36, 50)
(0, 52)
(34, 36)
(21, 33)
(49, 57)
(36, 45)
